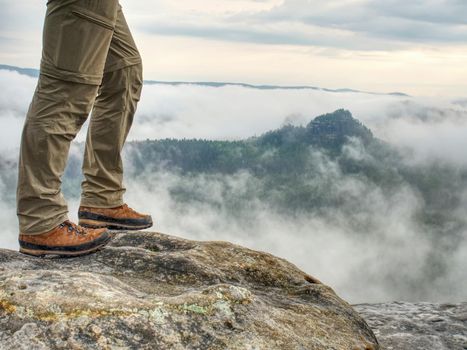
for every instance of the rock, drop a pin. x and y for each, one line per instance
(155, 291)
(418, 326)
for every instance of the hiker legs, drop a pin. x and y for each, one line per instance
(111, 120)
(55, 115)
(76, 40)
(110, 123)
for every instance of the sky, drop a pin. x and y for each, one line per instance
(417, 47)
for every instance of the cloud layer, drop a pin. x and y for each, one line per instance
(428, 127)
(393, 260)
(417, 47)
(366, 25)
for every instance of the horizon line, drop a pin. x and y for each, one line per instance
(34, 72)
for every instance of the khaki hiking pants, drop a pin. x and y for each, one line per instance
(89, 61)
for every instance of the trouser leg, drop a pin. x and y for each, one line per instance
(111, 120)
(76, 41)
(56, 114)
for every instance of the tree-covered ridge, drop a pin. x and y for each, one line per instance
(287, 161)
(307, 169)
(333, 130)
(332, 163)
(283, 150)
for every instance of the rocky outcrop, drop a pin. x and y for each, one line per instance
(155, 291)
(418, 326)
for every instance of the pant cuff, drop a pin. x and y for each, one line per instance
(100, 204)
(40, 228)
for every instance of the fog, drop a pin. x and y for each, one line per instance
(427, 126)
(369, 249)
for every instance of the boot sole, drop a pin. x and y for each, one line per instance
(64, 253)
(111, 226)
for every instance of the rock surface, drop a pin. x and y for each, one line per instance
(419, 326)
(155, 291)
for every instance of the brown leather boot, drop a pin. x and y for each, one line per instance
(67, 239)
(118, 218)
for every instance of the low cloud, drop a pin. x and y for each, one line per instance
(418, 46)
(370, 248)
(394, 21)
(372, 24)
(356, 25)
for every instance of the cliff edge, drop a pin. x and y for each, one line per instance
(149, 290)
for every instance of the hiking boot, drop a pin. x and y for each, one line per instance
(118, 218)
(67, 239)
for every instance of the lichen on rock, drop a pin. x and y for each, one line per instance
(149, 290)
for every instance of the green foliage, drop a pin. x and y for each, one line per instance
(300, 169)
(295, 169)
(279, 151)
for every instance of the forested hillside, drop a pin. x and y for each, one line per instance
(299, 168)
(294, 169)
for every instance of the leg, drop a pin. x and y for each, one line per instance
(102, 198)
(110, 123)
(76, 41)
(102, 202)
(56, 113)
(111, 120)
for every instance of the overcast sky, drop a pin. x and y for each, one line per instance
(418, 47)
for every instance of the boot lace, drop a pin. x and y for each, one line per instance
(73, 228)
(126, 208)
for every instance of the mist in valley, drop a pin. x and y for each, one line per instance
(370, 245)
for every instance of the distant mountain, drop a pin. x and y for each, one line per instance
(294, 169)
(25, 71)
(276, 151)
(35, 73)
(326, 129)
(288, 163)
(329, 131)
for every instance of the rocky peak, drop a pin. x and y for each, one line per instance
(156, 291)
(333, 129)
